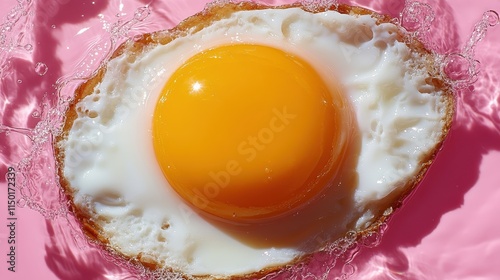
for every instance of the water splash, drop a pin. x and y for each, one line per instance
(416, 17)
(22, 131)
(462, 68)
(101, 49)
(34, 161)
(12, 34)
(490, 19)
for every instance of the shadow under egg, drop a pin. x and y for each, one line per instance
(325, 219)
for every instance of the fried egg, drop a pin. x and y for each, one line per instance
(246, 144)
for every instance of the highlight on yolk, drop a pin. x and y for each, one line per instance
(249, 132)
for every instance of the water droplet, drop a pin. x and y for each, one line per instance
(492, 17)
(19, 81)
(41, 68)
(28, 47)
(142, 13)
(35, 114)
(53, 26)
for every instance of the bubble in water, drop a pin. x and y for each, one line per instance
(120, 28)
(28, 47)
(456, 67)
(492, 17)
(142, 13)
(347, 271)
(41, 68)
(460, 69)
(417, 17)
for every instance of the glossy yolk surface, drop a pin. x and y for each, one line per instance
(249, 132)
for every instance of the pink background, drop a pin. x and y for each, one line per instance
(449, 228)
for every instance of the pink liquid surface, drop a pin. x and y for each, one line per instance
(448, 229)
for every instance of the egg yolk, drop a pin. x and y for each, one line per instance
(249, 132)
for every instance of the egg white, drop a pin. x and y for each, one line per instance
(109, 161)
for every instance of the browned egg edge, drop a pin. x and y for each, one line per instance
(194, 24)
